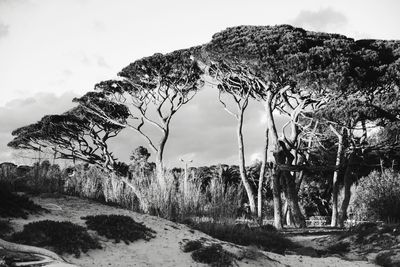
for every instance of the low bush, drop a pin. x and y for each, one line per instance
(213, 255)
(339, 248)
(243, 235)
(361, 231)
(191, 245)
(16, 206)
(5, 228)
(119, 227)
(61, 237)
(378, 197)
(385, 259)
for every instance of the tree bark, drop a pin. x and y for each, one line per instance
(160, 172)
(275, 173)
(284, 156)
(29, 249)
(293, 201)
(347, 192)
(335, 189)
(242, 164)
(261, 177)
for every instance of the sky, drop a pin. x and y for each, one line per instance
(54, 50)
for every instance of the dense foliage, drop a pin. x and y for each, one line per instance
(18, 206)
(378, 196)
(119, 228)
(214, 255)
(62, 237)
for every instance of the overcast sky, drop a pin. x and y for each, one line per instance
(54, 50)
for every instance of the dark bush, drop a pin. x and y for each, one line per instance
(118, 227)
(5, 228)
(361, 231)
(339, 248)
(271, 241)
(17, 206)
(213, 255)
(385, 259)
(61, 237)
(191, 245)
(268, 228)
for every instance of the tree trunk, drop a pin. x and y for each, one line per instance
(276, 193)
(275, 173)
(160, 172)
(242, 165)
(29, 249)
(293, 201)
(335, 189)
(347, 193)
(261, 177)
(287, 214)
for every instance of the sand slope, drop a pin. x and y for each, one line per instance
(163, 250)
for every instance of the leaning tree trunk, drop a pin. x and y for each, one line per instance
(242, 165)
(335, 186)
(29, 249)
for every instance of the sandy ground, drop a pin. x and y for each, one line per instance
(164, 249)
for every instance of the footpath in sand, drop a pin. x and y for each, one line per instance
(164, 249)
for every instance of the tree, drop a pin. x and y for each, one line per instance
(153, 89)
(373, 98)
(237, 82)
(294, 71)
(139, 162)
(140, 154)
(75, 134)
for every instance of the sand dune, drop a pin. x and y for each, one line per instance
(164, 249)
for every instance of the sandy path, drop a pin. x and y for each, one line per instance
(163, 250)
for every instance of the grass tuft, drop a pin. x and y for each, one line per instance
(61, 237)
(119, 228)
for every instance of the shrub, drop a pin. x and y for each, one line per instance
(119, 227)
(62, 237)
(243, 235)
(191, 245)
(5, 228)
(385, 259)
(213, 255)
(378, 197)
(339, 248)
(17, 206)
(361, 231)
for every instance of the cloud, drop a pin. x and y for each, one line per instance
(101, 62)
(24, 111)
(4, 30)
(321, 20)
(99, 26)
